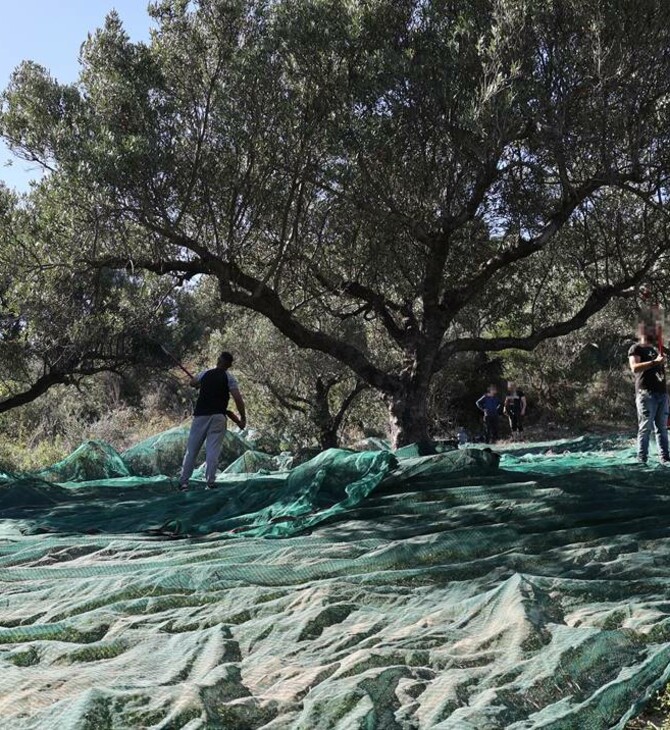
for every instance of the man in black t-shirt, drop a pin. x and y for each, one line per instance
(651, 394)
(209, 418)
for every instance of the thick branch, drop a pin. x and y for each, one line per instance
(48, 380)
(38, 388)
(455, 299)
(595, 302)
(237, 287)
(376, 301)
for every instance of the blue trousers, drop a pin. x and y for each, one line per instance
(652, 410)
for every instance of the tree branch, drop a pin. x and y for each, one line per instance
(38, 388)
(242, 289)
(287, 401)
(455, 299)
(46, 381)
(377, 302)
(594, 303)
(344, 406)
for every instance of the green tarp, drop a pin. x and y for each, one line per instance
(397, 591)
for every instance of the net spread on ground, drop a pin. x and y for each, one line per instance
(365, 589)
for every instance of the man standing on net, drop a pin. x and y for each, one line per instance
(651, 394)
(209, 418)
(489, 404)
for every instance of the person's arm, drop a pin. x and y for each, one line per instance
(638, 367)
(241, 408)
(195, 382)
(523, 405)
(234, 390)
(480, 404)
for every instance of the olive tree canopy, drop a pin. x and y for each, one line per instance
(463, 176)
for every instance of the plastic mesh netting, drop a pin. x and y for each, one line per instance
(400, 591)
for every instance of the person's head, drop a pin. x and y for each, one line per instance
(225, 360)
(511, 386)
(492, 389)
(646, 330)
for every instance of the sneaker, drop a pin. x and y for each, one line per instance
(665, 461)
(641, 461)
(211, 485)
(183, 487)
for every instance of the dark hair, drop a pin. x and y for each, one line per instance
(225, 359)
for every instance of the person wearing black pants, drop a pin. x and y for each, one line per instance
(489, 404)
(515, 409)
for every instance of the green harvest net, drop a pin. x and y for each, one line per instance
(367, 589)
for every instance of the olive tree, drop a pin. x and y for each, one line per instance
(60, 325)
(304, 385)
(444, 171)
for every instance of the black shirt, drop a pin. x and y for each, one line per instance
(653, 379)
(214, 393)
(513, 402)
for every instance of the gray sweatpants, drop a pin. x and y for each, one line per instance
(208, 430)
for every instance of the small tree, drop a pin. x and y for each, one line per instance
(303, 382)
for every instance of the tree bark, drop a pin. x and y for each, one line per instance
(325, 422)
(38, 388)
(408, 414)
(328, 438)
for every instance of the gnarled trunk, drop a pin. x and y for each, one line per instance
(408, 415)
(328, 438)
(321, 415)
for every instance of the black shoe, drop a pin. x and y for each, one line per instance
(212, 485)
(183, 487)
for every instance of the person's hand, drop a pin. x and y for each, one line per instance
(660, 360)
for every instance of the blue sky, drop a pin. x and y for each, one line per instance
(50, 32)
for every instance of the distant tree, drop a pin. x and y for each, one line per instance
(447, 169)
(308, 384)
(58, 325)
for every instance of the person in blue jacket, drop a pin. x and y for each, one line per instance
(489, 404)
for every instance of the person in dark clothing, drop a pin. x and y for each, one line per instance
(651, 394)
(209, 418)
(515, 409)
(489, 404)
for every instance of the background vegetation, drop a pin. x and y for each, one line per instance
(379, 207)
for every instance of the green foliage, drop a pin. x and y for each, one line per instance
(583, 379)
(444, 177)
(109, 408)
(16, 457)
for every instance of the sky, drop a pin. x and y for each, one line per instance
(51, 32)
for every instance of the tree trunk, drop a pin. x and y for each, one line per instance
(328, 438)
(408, 416)
(322, 417)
